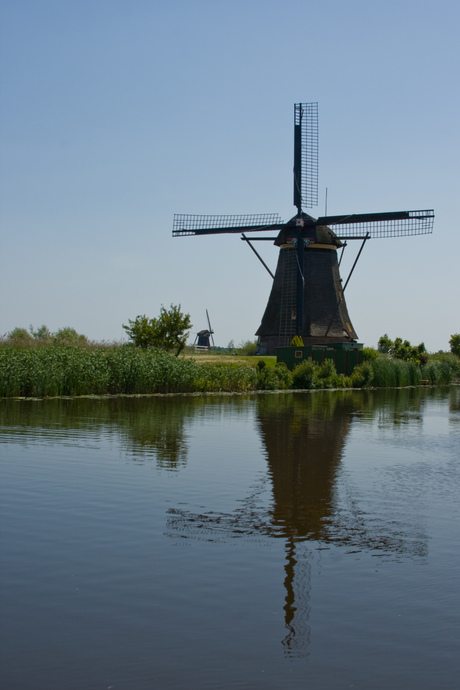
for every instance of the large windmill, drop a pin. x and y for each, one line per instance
(307, 297)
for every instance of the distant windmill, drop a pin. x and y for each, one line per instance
(307, 297)
(202, 340)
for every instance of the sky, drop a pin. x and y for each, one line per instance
(116, 114)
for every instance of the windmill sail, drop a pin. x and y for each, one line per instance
(305, 155)
(189, 224)
(379, 225)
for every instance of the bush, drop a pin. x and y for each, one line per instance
(327, 376)
(273, 378)
(247, 347)
(369, 354)
(305, 375)
(362, 375)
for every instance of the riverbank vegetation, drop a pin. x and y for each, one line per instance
(46, 368)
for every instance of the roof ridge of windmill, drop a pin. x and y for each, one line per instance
(307, 295)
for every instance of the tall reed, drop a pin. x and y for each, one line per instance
(55, 370)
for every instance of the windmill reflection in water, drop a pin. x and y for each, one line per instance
(304, 442)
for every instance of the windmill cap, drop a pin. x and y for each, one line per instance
(320, 234)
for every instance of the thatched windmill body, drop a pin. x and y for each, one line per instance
(307, 295)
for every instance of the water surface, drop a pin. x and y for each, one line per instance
(265, 541)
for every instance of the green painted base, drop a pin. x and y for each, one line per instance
(346, 356)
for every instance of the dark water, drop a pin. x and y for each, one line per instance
(274, 541)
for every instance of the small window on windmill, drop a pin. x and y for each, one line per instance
(298, 354)
(293, 315)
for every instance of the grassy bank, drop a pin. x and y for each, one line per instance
(53, 370)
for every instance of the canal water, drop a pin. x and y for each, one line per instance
(298, 540)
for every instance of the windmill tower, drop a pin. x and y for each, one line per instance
(307, 295)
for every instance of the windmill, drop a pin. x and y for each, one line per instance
(307, 295)
(202, 340)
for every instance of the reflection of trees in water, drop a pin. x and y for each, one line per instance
(304, 438)
(154, 428)
(150, 427)
(454, 400)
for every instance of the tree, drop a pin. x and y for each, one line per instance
(247, 347)
(69, 336)
(41, 333)
(169, 331)
(454, 343)
(20, 335)
(399, 349)
(385, 344)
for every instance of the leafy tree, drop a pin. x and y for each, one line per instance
(385, 344)
(42, 333)
(454, 343)
(169, 331)
(69, 336)
(402, 349)
(19, 334)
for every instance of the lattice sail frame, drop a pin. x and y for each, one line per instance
(381, 225)
(305, 155)
(189, 224)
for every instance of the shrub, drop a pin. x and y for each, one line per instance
(362, 375)
(305, 375)
(369, 354)
(273, 378)
(327, 376)
(247, 347)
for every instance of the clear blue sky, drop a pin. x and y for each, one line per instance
(116, 114)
